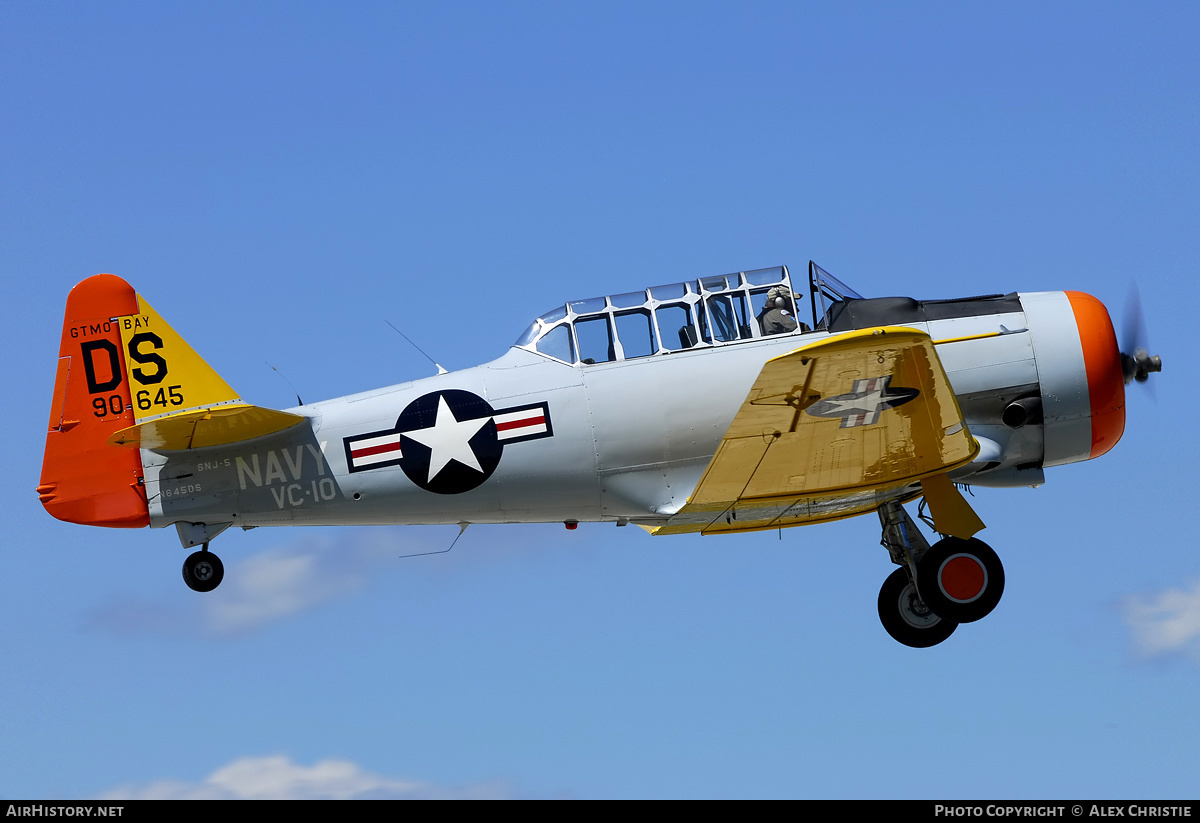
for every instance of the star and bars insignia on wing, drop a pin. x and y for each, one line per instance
(861, 407)
(448, 441)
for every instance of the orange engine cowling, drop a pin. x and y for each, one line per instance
(1079, 369)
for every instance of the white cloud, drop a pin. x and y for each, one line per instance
(278, 583)
(1167, 622)
(301, 574)
(259, 589)
(278, 778)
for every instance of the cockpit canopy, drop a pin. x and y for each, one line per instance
(710, 311)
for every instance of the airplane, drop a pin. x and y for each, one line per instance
(698, 407)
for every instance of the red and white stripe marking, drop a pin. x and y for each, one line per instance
(372, 450)
(520, 423)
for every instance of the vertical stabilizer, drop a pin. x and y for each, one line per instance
(84, 480)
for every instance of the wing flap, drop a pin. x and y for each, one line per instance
(831, 430)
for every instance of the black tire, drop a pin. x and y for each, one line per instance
(907, 619)
(203, 571)
(961, 580)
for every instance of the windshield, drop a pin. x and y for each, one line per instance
(825, 290)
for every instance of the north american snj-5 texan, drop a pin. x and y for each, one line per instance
(703, 406)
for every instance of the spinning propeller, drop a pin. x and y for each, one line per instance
(1141, 363)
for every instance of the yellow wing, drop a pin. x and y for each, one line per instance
(834, 429)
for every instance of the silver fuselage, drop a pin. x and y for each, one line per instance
(625, 440)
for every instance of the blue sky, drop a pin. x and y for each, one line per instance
(280, 179)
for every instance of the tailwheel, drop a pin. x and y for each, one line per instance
(961, 580)
(906, 617)
(202, 571)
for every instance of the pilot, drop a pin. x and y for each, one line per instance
(776, 316)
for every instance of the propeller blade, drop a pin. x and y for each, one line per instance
(1133, 335)
(1136, 361)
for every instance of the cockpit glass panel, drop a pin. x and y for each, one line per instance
(629, 300)
(672, 292)
(588, 306)
(832, 286)
(554, 315)
(722, 283)
(728, 313)
(529, 334)
(758, 302)
(675, 327)
(595, 340)
(557, 344)
(765, 277)
(636, 334)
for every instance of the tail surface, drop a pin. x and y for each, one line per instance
(126, 380)
(84, 480)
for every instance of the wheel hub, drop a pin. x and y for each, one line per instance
(962, 578)
(914, 611)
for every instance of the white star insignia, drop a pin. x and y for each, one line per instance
(449, 439)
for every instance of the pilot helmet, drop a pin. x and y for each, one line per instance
(779, 293)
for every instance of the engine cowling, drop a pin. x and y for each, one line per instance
(1080, 373)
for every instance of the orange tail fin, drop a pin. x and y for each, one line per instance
(85, 480)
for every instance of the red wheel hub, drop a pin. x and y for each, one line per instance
(962, 578)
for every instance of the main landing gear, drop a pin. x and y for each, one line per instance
(203, 570)
(937, 587)
(906, 616)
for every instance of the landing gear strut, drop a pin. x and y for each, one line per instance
(202, 571)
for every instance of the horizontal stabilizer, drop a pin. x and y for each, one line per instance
(199, 428)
